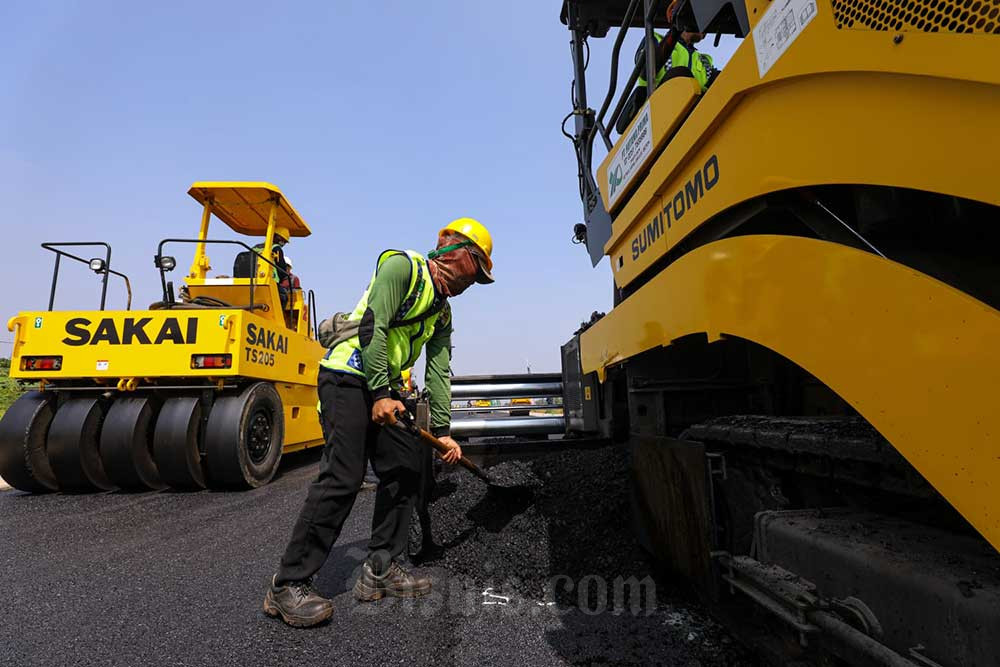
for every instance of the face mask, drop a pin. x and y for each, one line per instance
(456, 271)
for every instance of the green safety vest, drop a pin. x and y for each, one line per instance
(681, 57)
(404, 341)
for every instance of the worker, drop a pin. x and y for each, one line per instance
(404, 308)
(679, 47)
(279, 239)
(291, 281)
(280, 272)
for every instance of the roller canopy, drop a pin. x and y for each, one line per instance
(245, 206)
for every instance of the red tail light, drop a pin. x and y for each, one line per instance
(41, 363)
(211, 361)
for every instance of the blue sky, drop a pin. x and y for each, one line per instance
(381, 122)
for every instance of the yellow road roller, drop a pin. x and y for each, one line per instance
(205, 388)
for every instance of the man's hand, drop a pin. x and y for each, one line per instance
(384, 409)
(454, 452)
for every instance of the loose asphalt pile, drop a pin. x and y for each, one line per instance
(566, 518)
(560, 538)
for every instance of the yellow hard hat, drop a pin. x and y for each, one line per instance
(475, 232)
(283, 232)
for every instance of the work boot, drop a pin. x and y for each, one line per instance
(396, 582)
(297, 604)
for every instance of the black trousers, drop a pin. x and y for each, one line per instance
(353, 439)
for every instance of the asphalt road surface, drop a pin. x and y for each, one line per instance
(177, 578)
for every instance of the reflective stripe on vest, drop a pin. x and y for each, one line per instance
(403, 343)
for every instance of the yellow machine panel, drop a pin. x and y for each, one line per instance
(901, 347)
(839, 107)
(161, 343)
(806, 300)
(855, 93)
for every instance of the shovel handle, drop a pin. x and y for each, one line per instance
(406, 423)
(442, 448)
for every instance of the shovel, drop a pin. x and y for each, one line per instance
(405, 422)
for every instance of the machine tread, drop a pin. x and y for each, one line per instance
(73, 445)
(227, 434)
(24, 461)
(126, 444)
(176, 443)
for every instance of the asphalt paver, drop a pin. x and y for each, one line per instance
(178, 578)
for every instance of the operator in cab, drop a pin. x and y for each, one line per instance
(404, 309)
(676, 55)
(678, 47)
(281, 269)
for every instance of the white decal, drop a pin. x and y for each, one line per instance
(489, 597)
(102, 365)
(781, 25)
(635, 148)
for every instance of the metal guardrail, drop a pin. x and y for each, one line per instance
(547, 425)
(492, 387)
(508, 390)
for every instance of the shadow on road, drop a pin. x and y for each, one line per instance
(342, 568)
(298, 460)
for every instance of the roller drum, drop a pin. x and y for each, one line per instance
(176, 441)
(127, 444)
(24, 428)
(73, 446)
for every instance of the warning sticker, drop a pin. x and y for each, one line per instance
(781, 25)
(102, 365)
(635, 148)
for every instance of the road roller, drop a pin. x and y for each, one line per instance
(801, 360)
(205, 388)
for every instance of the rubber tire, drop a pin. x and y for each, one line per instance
(72, 446)
(176, 443)
(24, 461)
(126, 444)
(226, 436)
